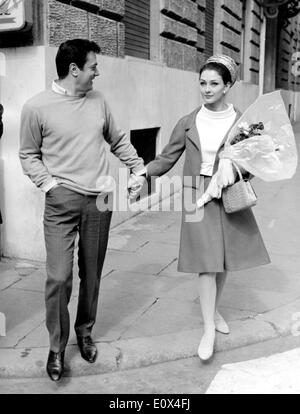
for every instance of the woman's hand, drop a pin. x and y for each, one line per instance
(213, 191)
(225, 174)
(134, 186)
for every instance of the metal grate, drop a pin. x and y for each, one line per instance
(209, 28)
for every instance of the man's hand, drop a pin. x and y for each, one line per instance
(135, 184)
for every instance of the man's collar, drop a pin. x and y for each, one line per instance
(62, 91)
(59, 89)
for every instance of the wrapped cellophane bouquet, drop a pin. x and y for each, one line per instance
(261, 144)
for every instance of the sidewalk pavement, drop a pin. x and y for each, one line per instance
(148, 312)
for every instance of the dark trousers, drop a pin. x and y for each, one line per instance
(67, 214)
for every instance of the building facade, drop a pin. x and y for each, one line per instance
(151, 54)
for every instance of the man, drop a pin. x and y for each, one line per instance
(62, 150)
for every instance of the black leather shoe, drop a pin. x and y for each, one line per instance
(55, 365)
(87, 348)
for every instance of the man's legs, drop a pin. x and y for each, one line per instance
(61, 218)
(93, 239)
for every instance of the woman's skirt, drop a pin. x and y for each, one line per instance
(219, 241)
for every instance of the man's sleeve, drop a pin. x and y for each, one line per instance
(120, 144)
(30, 149)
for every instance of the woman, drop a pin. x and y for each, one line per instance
(218, 242)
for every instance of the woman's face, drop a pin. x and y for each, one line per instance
(212, 87)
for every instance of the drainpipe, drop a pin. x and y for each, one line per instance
(262, 56)
(270, 55)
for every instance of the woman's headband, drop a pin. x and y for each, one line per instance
(228, 62)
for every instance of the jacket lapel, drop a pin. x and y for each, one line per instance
(191, 128)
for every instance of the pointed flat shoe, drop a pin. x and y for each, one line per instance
(221, 325)
(206, 346)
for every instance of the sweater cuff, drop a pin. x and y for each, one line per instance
(47, 187)
(142, 171)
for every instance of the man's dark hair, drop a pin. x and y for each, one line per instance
(73, 51)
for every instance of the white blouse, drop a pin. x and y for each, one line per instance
(212, 127)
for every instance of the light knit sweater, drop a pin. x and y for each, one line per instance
(62, 140)
(212, 127)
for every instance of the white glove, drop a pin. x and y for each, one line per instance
(214, 190)
(225, 174)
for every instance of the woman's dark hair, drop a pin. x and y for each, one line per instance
(220, 68)
(73, 51)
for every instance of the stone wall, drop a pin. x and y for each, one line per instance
(201, 33)
(97, 20)
(238, 29)
(228, 28)
(178, 31)
(181, 28)
(183, 33)
(253, 29)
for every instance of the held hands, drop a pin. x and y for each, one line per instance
(135, 184)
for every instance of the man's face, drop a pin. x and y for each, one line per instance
(88, 73)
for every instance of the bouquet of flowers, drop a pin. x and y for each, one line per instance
(261, 142)
(247, 131)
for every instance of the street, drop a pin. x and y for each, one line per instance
(185, 376)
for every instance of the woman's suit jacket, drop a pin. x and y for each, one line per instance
(251, 250)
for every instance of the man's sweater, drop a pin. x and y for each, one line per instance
(62, 138)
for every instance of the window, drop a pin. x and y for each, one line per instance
(144, 141)
(137, 28)
(209, 28)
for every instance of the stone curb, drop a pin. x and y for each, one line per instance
(135, 352)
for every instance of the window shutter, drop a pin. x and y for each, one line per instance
(137, 28)
(209, 28)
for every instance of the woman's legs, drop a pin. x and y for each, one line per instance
(207, 287)
(220, 281)
(221, 325)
